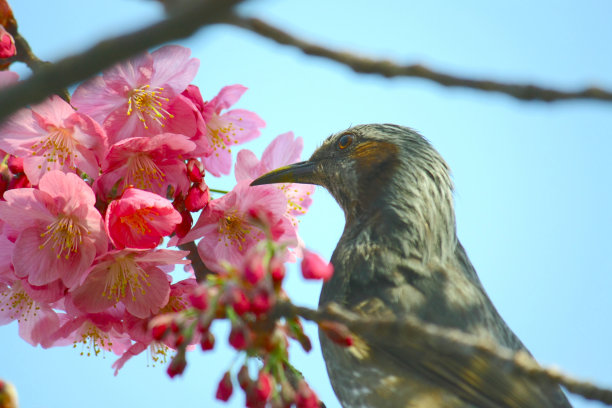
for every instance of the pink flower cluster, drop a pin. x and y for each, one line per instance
(93, 189)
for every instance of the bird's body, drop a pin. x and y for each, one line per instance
(399, 256)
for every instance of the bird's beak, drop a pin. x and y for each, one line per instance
(303, 172)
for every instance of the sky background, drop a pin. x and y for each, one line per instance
(532, 179)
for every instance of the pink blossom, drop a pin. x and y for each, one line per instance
(141, 97)
(140, 219)
(7, 44)
(227, 229)
(282, 151)
(147, 163)
(52, 136)
(60, 230)
(140, 332)
(313, 267)
(36, 319)
(132, 278)
(223, 130)
(94, 333)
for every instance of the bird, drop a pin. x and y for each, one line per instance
(399, 256)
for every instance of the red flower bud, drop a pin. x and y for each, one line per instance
(240, 337)
(337, 332)
(261, 302)
(236, 298)
(254, 270)
(199, 297)
(195, 170)
(158, 332)
(198, 197)
(184, 226)
(7, 44)
(277, 270)
(15, 164)
(177, 365)
(225, 388)
(263, 386)
(313, 267)
(244, 379)
(306, 398)
(207, 342)
(21, 181)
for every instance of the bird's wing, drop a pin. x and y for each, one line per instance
(448, 297)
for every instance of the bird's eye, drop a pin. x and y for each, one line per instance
(345, 141)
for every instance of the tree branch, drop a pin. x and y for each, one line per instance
(51, 79)
(448, 342)
(389, 69)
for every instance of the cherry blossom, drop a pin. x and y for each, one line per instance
(223, 130)
(60, 230)
(141, 97)
(282, 151)
(153, 164)
(228, 231)
(52, 136)
(140, 219)
(133, 278)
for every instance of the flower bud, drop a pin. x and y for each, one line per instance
(225, 388)
(177, 365)
(313, 267)
(261, 301)
(198, 197)
(195, 170)
(7, 44)
(199, 297)
(244, 379)
(254, 270)
(159, 331)
(240, 337)
(306, 398)
(15, 164)
(263, 386)
(207, 342)
(337, 332)
(183, 227)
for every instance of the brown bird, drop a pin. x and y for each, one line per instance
(399, 256)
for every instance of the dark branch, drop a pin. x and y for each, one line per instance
(391, 69)
(51, 79)
(448, 342)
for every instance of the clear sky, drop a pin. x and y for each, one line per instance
(532, 180)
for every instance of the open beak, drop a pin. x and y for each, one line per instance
(302, 172)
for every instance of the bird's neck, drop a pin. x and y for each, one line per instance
(416, 213)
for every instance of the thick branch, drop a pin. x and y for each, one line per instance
(387, 68)
(51, 79)
(450, 343)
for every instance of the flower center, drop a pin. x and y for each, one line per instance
(17, 303)
(142, 172)
(93, 340)
(125, 277)
(222, 133)
(139, 220)
(233, 228)
(58, 146)
(64, 236)
(148, 103)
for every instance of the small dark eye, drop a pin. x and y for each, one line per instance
(345, 141)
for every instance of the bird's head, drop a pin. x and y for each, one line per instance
(381, 169)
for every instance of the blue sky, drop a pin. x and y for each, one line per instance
(532, 180)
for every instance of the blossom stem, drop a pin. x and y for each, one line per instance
(214, 190)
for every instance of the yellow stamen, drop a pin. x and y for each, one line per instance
(64, 235)
(148, 103)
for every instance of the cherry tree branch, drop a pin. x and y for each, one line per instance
(53, 78)
(448, 342)
(390, 69)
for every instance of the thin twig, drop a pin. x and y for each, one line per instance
(51, 79)
(389, 69)
(450, 342)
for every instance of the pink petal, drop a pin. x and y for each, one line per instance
(173, 69)
(154, 298)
